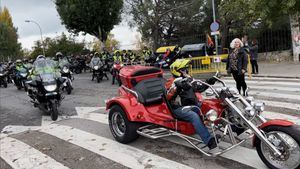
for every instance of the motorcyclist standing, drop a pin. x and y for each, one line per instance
(189, 109)
(118, 57)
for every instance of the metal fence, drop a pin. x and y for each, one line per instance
(268, 40)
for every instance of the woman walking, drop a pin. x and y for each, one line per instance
(237, 64)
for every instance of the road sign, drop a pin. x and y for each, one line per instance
(214, 26)
(215, 33)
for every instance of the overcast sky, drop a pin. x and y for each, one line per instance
(44, 12)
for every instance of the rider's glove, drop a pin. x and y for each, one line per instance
(211, 81)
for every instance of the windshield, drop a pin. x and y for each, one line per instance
(44, 66)
(47, 77)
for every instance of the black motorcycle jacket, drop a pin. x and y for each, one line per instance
(186, 91)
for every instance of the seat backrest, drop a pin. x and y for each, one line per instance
(150, 91)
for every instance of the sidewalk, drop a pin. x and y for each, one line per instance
(282, 69)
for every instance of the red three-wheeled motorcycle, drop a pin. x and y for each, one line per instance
(142, 109)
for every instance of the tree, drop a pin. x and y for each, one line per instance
(95, 17)
(9, 46)
(110, 44)
(64, 44)
(164, 22)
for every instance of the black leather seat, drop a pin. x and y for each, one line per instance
(150, 91)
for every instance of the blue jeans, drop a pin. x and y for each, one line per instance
(190, 114)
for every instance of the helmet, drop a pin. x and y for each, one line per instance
(179, 64)
(58, 54)
(117, 52)
(18, 61)
(96, 54)
(40, 57)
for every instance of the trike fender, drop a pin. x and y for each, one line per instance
(128, 105)
(274, 122)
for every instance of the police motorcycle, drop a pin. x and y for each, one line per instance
(98, 69)
(3, 76)
(66, 73)
(45, 87)
(20, 75)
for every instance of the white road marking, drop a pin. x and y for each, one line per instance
(22, 156)
(293, 106)
(273, 115)
(268, 83)
(239, 154)
(46, 120)
(131, 157)
(275, 95)
(266, 79)
(88, 109)
(101, 118)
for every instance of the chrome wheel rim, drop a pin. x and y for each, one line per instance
(289, 148)
(118, 124)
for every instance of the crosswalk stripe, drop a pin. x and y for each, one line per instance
(268, 83)
(275, 95)
(273, 115)
(22, 156)
(292, 106)
(131, 157)
(267, 79)
(269, 88)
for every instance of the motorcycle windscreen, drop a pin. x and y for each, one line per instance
(44, 66)
(47, 77)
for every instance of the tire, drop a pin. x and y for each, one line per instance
(4, 84)
(292, 131)
(77, 71)
(98, 79)
(129, 133)
(54, 111)
(113, 79)
(69, 89)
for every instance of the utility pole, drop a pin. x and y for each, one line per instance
(216, 36)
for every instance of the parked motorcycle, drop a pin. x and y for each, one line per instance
(142, 109)
(68, 75)
(45, 91)
(115, 72)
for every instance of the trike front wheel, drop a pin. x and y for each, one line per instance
(287, 141)
(121, 128)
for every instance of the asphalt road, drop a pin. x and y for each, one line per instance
(76, 151)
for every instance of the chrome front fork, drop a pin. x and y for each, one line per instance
(256, 131)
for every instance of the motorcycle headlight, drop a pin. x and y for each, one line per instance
(66, 70)
(50, 88)
(233, 90)
(1, 74)
(23, 74)
(259, 106)
(250, 111)
(96, 67)
(212, 115)
(168, 60)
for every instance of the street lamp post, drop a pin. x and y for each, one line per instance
(40, 33)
